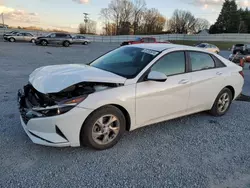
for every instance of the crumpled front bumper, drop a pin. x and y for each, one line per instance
(58, 131)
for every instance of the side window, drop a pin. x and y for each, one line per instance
(201, 61)
(151, 40)
(27, 34)
(171, 64)
(145, 40)
(53, 35)
(218, 63)
(59, 35)
(20, 34)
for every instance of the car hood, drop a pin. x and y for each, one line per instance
(55, 78)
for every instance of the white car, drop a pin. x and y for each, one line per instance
(125, 89)
(209, 47)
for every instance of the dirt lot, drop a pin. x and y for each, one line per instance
(194, 151)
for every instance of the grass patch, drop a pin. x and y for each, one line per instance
(219, 44)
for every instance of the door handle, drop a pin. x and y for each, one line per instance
(184, 81)
(219, 73)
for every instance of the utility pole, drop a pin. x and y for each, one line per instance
(86, 19)
(3, 22)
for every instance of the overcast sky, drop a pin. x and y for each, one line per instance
(67, 14)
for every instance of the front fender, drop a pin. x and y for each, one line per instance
(123, 96)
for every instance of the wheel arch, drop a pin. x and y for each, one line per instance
(44, 40)
(232, 90)
(121, 108)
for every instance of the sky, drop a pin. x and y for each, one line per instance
(67, 14)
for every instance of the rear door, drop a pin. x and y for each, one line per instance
(207, 77)
(28, 37)
(59, 38)
(77, 39)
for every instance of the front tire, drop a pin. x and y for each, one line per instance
(222, 103)
(85, 43)
(33, 41)
(103, 128)
(12, 39)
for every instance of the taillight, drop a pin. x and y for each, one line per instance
(241, 73)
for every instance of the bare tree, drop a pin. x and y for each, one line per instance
(90, 27)
(115, 12)
(139, 8)
(82, 28)
(182, 22)
(131, 15)
(153, 21)
(105, 16)
(201, 24)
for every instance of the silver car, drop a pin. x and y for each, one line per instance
(78, 39)
(22, 37)
(209, 47)
(64, 39)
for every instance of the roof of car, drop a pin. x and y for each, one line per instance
(162, 47)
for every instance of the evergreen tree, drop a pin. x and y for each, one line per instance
(228, 20)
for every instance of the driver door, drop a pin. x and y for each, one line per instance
(159, 101)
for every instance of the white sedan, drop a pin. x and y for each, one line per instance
(125, 89)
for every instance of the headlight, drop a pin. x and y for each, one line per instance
(62, 107)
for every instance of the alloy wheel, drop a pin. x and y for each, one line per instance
(223, 103)
(105, 129)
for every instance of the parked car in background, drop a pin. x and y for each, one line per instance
(21, 37)
(79, 39)
(241, 48)
(209, 47)
(142, 40)
(10, 33)
(93, 104)
(64, 39)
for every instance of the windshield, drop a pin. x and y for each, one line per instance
(201, 45)
(138, 39)
(125, 61)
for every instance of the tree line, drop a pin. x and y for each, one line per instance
(123, 17)
(231, 19)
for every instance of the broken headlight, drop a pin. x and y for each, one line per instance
(61, 107)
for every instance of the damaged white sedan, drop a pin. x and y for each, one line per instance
(127, 88)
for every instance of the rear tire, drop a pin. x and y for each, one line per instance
(222, 103)
(93, 133)
(12, 39)
(66, 43)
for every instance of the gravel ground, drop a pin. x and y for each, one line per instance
(194, 151)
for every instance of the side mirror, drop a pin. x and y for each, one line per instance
(156, 76)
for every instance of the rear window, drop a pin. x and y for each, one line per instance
(201, 61)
